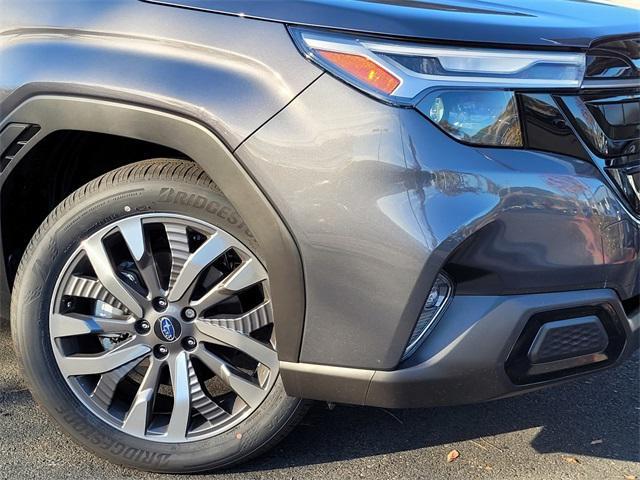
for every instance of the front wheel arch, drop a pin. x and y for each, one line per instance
(54, 113)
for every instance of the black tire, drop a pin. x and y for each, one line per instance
(148, 186)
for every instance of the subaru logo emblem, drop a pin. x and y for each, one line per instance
(167, 329)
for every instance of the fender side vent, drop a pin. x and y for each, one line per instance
(12, 138)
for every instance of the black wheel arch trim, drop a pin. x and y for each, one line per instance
(281, 254)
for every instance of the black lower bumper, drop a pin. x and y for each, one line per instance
(487, 347)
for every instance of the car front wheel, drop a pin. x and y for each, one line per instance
(142, 317)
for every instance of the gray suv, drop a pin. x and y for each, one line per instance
(215, 211)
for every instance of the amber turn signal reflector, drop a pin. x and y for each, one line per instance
(363, 69)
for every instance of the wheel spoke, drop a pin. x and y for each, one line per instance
(215, 246)
(248, 273)
(106, 274)
(71, 324)
(88, 364)
(251, 393)
(139, 414)
(252, 347)
(181, 413)
(131, 230)
(133, 233)
(106, 387)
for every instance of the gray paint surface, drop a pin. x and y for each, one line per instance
(463, 359)
(228, 76)
(334, 163)
(378, 198)
(231, 74)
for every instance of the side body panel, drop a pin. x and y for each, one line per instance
(279, 250)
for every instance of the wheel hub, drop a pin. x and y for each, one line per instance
(168, 329)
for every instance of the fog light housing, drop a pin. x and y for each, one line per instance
(434, 305)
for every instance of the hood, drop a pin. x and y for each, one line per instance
(549, 23)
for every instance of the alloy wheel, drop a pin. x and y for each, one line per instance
(162, 326)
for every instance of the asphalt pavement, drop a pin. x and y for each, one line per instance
(588, 429)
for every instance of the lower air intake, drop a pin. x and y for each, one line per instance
(563, 342)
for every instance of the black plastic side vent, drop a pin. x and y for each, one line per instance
(14, 145)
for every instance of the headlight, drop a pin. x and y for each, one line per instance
(475, 103)
(481, 117)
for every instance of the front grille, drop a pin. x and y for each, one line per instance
(609, 123)
(606, 123)
(619, 59)
(620, 116)
(606, 112)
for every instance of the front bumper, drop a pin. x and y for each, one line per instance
(464, 359)
(380, 202)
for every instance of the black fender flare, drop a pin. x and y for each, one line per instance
(281, 255)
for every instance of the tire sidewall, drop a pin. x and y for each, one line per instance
(34, 290)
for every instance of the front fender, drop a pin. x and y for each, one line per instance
(152, 55)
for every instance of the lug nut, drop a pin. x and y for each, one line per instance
(189, 313)
(189, 343)
(160, 304)
(161, 351)
(142, 326)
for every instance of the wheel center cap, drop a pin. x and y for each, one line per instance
(167, 329)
